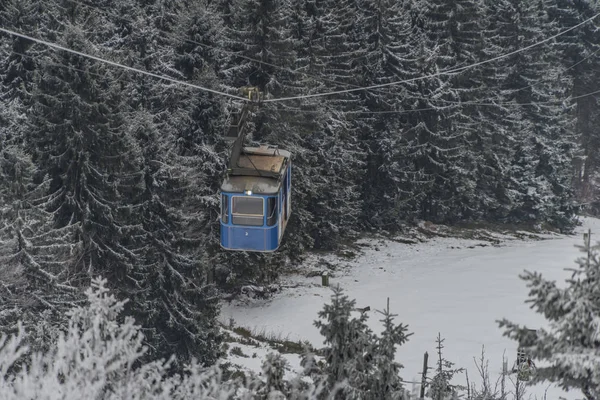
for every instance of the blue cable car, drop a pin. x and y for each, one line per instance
(256, 203)
(256, 192)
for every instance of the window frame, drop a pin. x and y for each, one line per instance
(224, 208)
(249, 216)
(272, 217)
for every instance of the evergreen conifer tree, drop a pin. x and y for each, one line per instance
(571, 344)
(543, 145)
(273, 369)
(440, 387)
(39, 282)
(350, 347)
(179, 306)
(387, 383)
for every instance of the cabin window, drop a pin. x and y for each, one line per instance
(247, 210)
(271, 211)
(225, 208)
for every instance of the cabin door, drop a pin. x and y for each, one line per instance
(280, 225)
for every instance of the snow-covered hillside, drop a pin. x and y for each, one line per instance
(458, 287)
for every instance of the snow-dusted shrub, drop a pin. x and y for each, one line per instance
(98, 357)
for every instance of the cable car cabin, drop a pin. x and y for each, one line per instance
(255, 200)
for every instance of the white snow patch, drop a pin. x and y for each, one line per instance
(458, 287)
(253, 355)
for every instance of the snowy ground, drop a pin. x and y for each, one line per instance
(454, 286)
(249, 354)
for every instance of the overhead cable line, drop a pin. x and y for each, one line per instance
(513, 91)
(300, 111)
(446, 72)
(79, 53)
(282, 110)
(60, 65)
(220, 50)
(476, 103)
(563, 71)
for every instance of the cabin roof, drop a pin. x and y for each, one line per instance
(257, 184)
(261, 162)
(258, 158)
(267, 151)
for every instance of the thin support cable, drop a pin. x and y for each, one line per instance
(79, 53)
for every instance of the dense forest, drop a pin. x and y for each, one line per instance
(104, 171)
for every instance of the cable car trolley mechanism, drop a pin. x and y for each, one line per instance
(256, 191)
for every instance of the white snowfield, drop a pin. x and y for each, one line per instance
(438, 286)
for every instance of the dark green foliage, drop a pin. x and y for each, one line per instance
(123, 189)
(357, 363)
(273, 369)
(36, 260)
(349, 347)
(439, 385)
(387, 383)
(180, 306)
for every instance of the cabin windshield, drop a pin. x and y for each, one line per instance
(247, 210)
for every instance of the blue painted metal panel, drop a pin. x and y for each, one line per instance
(249, 238)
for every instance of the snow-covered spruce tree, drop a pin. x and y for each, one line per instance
(440, 387)
(327, 164)
(344, 131)
(191, 124)
(570, 348)
(198, 33)
(451, 39)
(349, 351)
(401, 185)
(386, 381)
(324, 156)
(145, 39)
(273, 370)
(579, 55)
(427, 149)
(324, 164)
(542, 128)
(95, 355)
(421, 150)
(127, 194)
(179, 307)
(258, 32)
(357, 363)
(77, 136)
(383, 31)
(36, 259)
(445, 142)
(494, 140)
(176, 131)
(324, 141)
(75, 133)
(18, 56)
